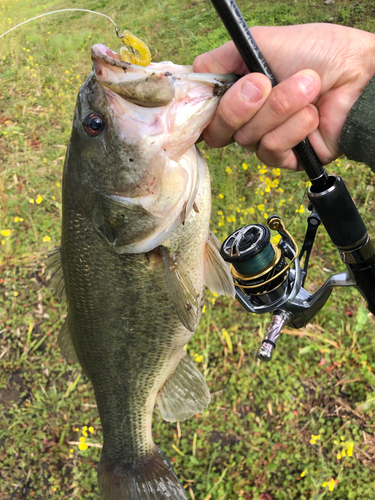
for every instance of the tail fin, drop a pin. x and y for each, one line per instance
(150, 479)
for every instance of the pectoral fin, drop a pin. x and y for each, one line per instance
(66, 344)
(54, 266)
(185, 393)
(181, 290)
(216, 271)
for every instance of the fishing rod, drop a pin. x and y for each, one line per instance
(264, 279)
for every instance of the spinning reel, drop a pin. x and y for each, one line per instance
(265, 280)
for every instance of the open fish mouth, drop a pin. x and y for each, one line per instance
(160, 111)
(150, 86)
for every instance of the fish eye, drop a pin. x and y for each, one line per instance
(93, 124)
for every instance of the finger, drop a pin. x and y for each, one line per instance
(238, 105)
(275, 147)
(286, 99)
(225, 59)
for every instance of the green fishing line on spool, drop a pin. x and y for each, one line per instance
(256, 263)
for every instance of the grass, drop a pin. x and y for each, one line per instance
(255, 440)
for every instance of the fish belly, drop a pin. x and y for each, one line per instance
(129, 340)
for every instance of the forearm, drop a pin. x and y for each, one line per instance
(357, 139)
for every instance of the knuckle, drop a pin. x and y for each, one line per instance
(245, 141)
(229, 118)
(311, 118)
(280, 103)
(270, 142)
(211, 140)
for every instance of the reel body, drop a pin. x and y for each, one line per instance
(266, 282)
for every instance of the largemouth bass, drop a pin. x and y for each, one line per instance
(136, 252)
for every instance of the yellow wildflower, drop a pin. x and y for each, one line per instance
(221, 196)
(204, 309)
(5, 232)
(331, 484)
(314, 438)
(303, 474)
(198, 358)
(244, 166)
(349, 448)
(251, 210)
(338, 456)
(76, 429)
(46, 238)
(38, 199)
(84, 433)
(83, 446)
(15, 294)
(261, 207)
(228, 170)
(300, 210)
(91, 429)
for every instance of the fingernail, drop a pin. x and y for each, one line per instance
(251, 92)
(306, 84)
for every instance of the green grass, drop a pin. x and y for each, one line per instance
(255, 438)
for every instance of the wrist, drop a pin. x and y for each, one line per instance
(370, 55)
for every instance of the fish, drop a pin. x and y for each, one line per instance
(136, 253)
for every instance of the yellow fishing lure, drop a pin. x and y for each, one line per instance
(135, 44)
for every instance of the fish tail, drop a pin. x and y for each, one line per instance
(153, 478)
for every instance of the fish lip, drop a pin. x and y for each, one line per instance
(100, 52)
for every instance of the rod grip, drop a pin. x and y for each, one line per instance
(338, 213)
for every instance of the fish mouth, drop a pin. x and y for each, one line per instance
(144, 86)
(153, 85)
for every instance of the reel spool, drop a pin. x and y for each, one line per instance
(258, 266)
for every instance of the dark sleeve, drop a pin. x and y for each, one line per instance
(357, 139)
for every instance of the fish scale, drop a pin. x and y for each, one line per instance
(106, 292)
(135, 267)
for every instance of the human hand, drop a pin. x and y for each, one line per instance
(322, 70)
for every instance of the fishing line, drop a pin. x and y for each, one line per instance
(193, 37)
(61, 10)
